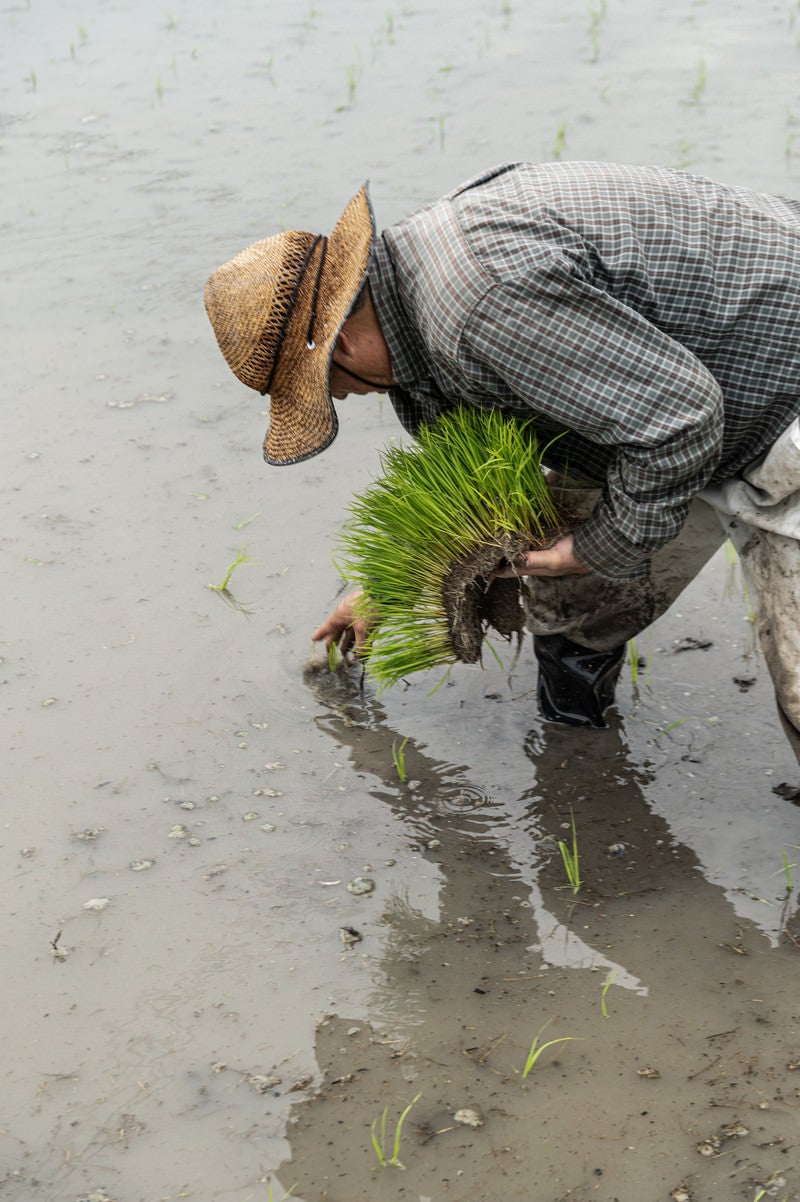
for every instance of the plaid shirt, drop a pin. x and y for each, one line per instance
(648, 317)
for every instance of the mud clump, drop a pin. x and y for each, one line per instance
(475, 599)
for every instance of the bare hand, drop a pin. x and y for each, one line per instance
(558, 560)
(346, 626)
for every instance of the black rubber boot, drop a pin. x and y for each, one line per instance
(576, 684)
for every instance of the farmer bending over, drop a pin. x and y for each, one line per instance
(648, 318)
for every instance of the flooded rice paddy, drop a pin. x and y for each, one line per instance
(195, 1005)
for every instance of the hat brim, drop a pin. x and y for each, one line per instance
(302, 418)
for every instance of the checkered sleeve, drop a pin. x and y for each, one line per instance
(583, 359)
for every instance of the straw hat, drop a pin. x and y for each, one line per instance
(277, 309)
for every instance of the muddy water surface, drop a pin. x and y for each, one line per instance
(200, 1030)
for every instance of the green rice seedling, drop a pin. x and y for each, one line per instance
(470, 482)
(246, 522)
(633, 662)
(699, 85)
(684, 154)
(790, 137)
(596, 18)
(732, 557)
(560, 140)
(352, 73)
(537, 1049)
(30, 80)
(604, 991)
(271, 1198)
(788, 866)
(437, 131)
(731, 554)
(241, 557)
(768, 1190)
(399, 758)
(673, 726)
(379, 1142)
(570, 859)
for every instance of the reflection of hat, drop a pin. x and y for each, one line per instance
(277, 309)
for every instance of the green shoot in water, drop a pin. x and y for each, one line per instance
(537, 1049)
(270, 1196)
(570, 859)
(379, 1143)
(633, 661)
(699, 85)
(788, 865)
(399, 757)
(604, 991)
(560, 140)
(246, 522)
(241, 557)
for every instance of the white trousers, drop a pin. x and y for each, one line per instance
(759, 512)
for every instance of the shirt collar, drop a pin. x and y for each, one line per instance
(409, 364)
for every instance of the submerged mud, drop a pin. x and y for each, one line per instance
(680, 1072)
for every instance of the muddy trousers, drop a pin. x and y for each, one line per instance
(759, 512)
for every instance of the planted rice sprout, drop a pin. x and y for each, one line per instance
(571, 860)
(596, 17)
(352, 72)
(560, 140)
(537, 1048)
(699, 85)
(399, 758)
(633, 661)
(788, 865)
(271, 1197)
(609, 982)
(241, 557)
(378, 1132)
(636, 663)
(425, 541)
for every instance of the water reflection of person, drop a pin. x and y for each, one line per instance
(462, 993)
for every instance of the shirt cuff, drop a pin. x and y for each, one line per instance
(601, 548)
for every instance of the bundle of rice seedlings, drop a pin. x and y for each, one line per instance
(425, 540)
